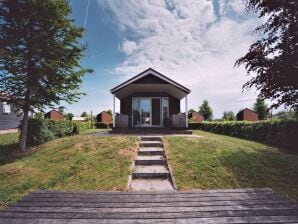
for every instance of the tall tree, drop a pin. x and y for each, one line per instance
(205, 110)
(228, 116)
(40, 54)
(261, 109)
(273, 59)
(84, 114)
(110, 112)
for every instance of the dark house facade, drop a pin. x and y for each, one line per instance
(104, 117)
(54, 115)
(9, 119)
(149, 99)
(247, 115)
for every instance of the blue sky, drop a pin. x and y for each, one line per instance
(194, 42)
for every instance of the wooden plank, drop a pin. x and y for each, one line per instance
(220, 220)
(159, 192)
(156, 200)
(155, 209)
(77, 195)
(147, 204)
(164, 215)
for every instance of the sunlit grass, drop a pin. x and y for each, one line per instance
(217, 162)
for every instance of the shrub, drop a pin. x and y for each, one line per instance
(279, 133)
(100, 125)
(43, 130)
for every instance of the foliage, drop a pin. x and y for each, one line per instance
(81, 162)
(84, 114)
(103, 125)
(190, 111)
(43, 130)
(279, 133)
(228, 116)
(205, 110)
(69, 116)
(39, 115)
(221, 162)
(261, 109)
(273, 58)
(39, 57)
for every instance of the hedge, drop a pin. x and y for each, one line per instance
(103, 125)
(283, 134)
(43, 130)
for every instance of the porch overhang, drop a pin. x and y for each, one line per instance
(150, 88)
(166, 85)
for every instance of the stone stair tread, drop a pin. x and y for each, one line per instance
(159, 149)
(150, 142)
(151, 185)
(151, 169)
(150, 158)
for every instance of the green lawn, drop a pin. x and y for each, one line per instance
(217, 162)
(72, 163)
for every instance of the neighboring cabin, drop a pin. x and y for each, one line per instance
(247, 115)
(104, 117)
(54, 115)
(197, 117)
(9, 120)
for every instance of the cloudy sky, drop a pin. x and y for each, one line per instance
(195, 42)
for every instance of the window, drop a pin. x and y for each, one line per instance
(135, 112)
(165, 111)
(6, 108)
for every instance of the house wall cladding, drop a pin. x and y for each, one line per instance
(54, 115)
(104, 117)
(247, 115)
(9, 120)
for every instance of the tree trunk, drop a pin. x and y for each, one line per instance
(24, 129)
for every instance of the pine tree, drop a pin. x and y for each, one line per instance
(261, 109)
(205, 110)
(40, 54)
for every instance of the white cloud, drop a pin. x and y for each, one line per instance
(128, 47)
(187, 42)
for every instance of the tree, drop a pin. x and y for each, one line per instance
(205, 110)
(61, 109)
(190, 111)
(228, 116)
(261, 109)
(69, 116)
(40, 54)
(273, 58)
(84, 114)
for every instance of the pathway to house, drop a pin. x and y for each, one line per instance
(150, 169)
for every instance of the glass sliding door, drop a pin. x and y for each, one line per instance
(135, 112)
(145, 111)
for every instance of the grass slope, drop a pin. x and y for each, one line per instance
(72, 163)
(217, 162)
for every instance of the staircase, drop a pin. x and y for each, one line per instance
(150, 171)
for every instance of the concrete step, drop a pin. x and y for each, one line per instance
(151, 138)
(151, 144)
(150, 172)
(150, 160)
(151, 185)
(150, 151)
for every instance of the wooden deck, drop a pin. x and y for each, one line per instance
(210, 206)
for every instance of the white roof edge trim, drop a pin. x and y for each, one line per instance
(155, 74)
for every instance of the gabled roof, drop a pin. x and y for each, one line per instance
(155, 73)
(246, 109)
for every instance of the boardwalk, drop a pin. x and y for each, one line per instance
(210, 206)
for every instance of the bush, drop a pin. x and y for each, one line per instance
(43, 130)
(279, 133)
(103, 125)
